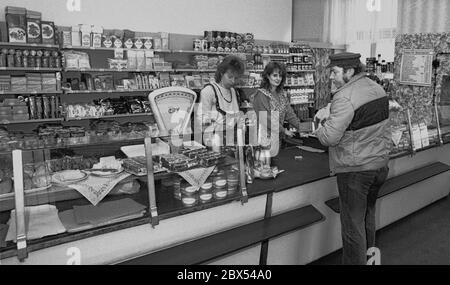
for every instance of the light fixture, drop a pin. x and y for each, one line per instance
(373, 5)
(73, 5)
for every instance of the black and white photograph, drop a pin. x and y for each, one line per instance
(238, 135)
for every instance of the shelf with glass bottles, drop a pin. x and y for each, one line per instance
(113, 49)
(47, 69)
(28, 92)
(28, 45)
(134, 91)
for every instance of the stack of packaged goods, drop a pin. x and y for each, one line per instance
(45, 107)
(34, 82)
(34, 34)
(25, 26)
(5, 82)
(18, 84)
(16, 22)
(49, 83)
(301, 95)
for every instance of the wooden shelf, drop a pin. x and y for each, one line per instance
(29, 92)
(113, 48)
(28, 45)
(113, 70)
(206, 52)
(110, 116)
(297, 71)
(299, 86)
(68, 92)
(303, 103)
(194, 70)
(2, 68)
(277, 54)
(6, 122)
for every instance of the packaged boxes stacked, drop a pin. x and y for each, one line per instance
(48, 82)
(5, 82)
(217, 41)
(76, 60)
(177, 80)
(16, 23)
(34, 82)
(161, 42)
(19, 110)
(25, 26)
(13, 110)
(300, 80)
(160, 64)
(18, 84)
(34, 34)
(5, 112)
(48, 32)
(300, 96)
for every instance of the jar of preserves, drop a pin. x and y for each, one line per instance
(189, 195)
(220, 185)
(232, 181)
(205, 192)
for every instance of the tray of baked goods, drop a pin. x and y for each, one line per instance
(138, 166)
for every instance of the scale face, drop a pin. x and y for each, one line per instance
(172, 107)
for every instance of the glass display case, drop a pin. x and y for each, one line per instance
(63, 189)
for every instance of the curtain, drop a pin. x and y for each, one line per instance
(423, 16)
(364, 26)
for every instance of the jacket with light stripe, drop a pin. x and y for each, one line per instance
(357, 131)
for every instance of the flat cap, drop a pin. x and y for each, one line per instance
(345, 59)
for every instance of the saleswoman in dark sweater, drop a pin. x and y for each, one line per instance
(271, 101)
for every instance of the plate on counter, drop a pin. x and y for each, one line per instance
(68, 177)
(105, 174)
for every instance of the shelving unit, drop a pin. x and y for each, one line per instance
(3, 68)
(113, 70)
(113, 48)
(6, 122)
(109, 116)
(303, 103)
(73, 92)
(297, 71)
(28, 45)
(29, 92)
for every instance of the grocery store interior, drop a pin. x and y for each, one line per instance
(103, 159)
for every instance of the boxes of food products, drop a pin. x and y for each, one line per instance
(17, 24)
(96, 36)
(34, 34)
(48, 33)
(85, 31)
(76, 40)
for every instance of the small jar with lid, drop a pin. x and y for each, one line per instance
(206, 191)
(189, 195)
(232, 181)
(220, 185)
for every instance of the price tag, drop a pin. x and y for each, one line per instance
(424, 135)
(416, 137)
(118, 53)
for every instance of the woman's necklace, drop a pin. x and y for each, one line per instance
(231, 95)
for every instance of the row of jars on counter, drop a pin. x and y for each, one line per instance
(222, 183)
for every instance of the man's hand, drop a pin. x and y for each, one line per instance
(288, 133)
(323, 113)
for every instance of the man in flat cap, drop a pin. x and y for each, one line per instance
(356, 129)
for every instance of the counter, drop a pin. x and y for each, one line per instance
(305, 182)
